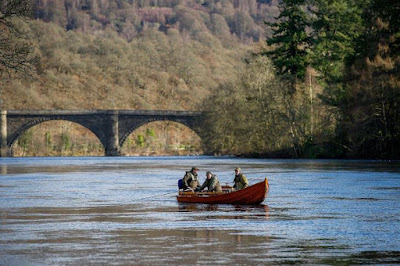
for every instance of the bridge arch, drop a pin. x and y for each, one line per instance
(39, 121)
(161, 137)
(141, 123)
(64, 137)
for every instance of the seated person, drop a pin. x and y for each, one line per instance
(240, 180)
(190, 180)
(211, 183)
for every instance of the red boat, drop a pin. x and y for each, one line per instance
(254, 194)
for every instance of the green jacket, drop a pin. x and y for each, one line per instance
(190, 180)
(212, 184)
(240, 181)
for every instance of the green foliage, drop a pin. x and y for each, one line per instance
(290, 41)
(337, 26)
(140, 141)
(48, 140)
(66, 142)
(355, 52)
(150, 132)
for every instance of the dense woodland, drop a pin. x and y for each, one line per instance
(290, 78)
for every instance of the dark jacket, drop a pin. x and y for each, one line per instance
(212, 184)
(190, 180)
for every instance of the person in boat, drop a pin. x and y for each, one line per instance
(191, 180)
(212, 183)
(240, 180)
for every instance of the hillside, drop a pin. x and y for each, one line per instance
(135, 54)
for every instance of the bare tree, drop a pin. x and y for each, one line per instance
(16, 50)
(14, 8)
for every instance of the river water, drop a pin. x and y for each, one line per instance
(123, 210)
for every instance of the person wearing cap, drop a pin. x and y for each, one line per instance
(211, 182)
(240, 180)
(190, 180)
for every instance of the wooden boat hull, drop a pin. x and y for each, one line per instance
(254, 194)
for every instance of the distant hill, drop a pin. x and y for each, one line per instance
(224, 19)
(102, 54)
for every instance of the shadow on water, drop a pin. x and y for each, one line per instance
(366, 257)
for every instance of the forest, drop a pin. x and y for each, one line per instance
(278, 79)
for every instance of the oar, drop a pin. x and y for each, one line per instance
(157, 196)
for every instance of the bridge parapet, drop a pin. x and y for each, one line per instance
(86, 112)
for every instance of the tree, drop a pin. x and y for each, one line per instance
(16, 50)
(372, 104)
(337, 24)
(290, 41)
(11, 8)
(242, 24)
(249, 115)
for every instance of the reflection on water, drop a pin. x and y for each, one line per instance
(3, 168)
(124, 211)
(228, 211)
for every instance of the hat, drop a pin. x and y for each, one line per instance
(238, 169)
(194, 168)
(208, 172)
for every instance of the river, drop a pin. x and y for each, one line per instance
(123, 210)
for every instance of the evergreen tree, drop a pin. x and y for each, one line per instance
(290, 41)
(336, 26)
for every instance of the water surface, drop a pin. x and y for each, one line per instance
(123, 210)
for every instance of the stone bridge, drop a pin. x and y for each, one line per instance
(112, 127)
